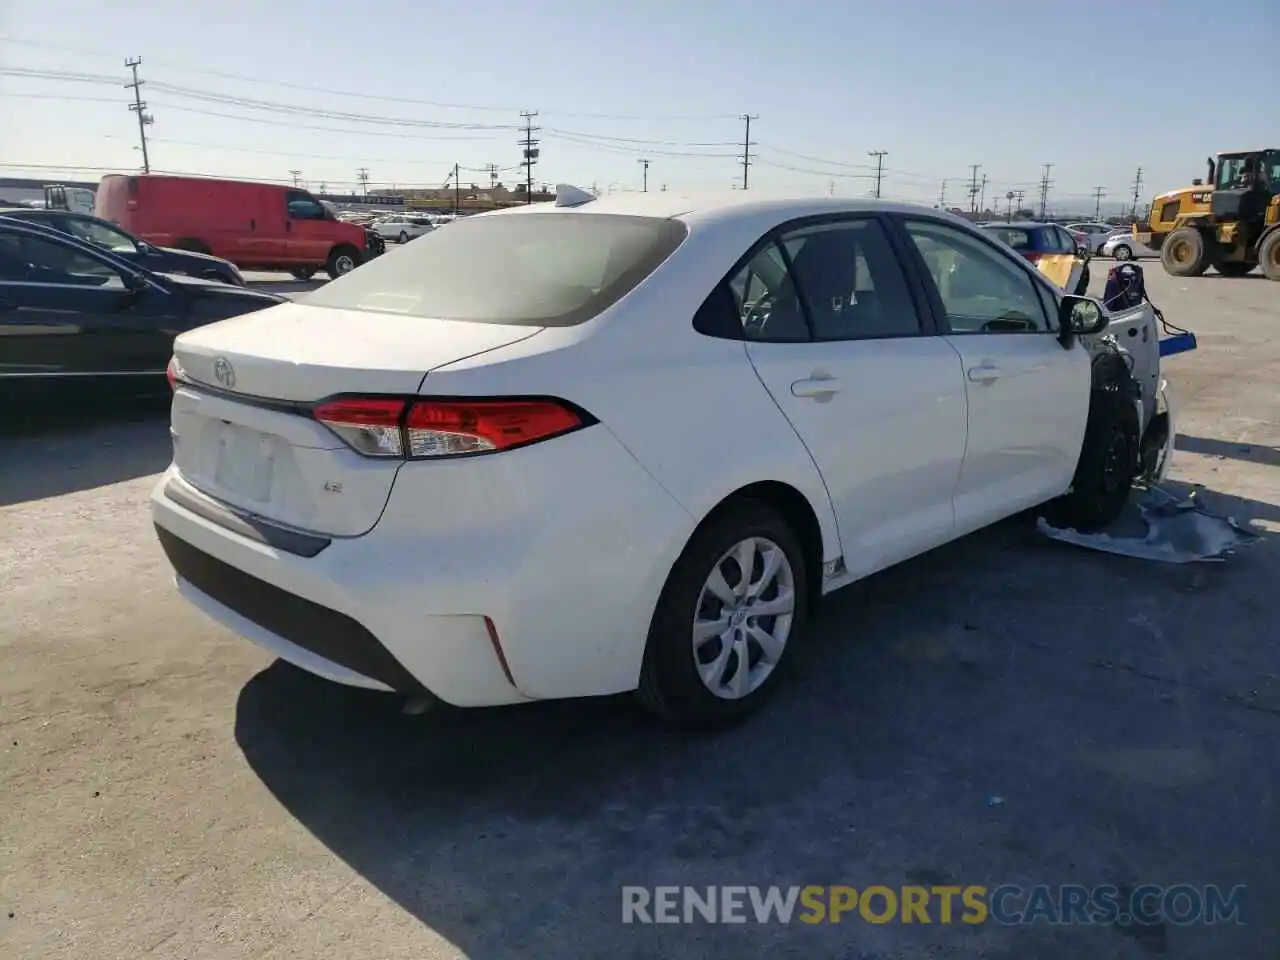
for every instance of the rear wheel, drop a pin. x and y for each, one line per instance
(1234, 268)
(1184, 253)
(1269, 255)
(342, 260)
(302, 273)
(726, 618)
(192, 244)
(1122, 252)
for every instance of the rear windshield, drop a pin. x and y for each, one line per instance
(1019, 239)
(535, 269)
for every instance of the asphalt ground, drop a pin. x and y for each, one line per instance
(1005, 710)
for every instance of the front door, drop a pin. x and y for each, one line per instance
(1028, 397)
(878, 400)
(307, 232)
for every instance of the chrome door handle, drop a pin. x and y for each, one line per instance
(986, 372)
(819, 387)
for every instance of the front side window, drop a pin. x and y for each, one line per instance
(27, 259)
(982, 291)
(104, 236)
(527, 268)
(303, 206)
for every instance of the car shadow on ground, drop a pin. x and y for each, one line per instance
(55, 453)
(956, 719)
(1252, 452)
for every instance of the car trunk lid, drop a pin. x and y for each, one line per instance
(242, 425)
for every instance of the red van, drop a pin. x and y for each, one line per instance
(257, 226)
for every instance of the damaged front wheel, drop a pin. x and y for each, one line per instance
(1108, 462)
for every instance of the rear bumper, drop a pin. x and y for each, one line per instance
(530, 575)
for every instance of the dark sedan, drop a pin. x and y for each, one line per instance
(74, 318)
(108, 236)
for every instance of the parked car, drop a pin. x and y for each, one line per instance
(1125, 246)
(1055, 252)
(403, 228)
(75, 319)
(626, 443)
(1092, 234)
(257, 226)
(132, 249)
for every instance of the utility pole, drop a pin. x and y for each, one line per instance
(645, 164)
(1137, 189)
(747, 145)
(457, 191)
(1008, 217)
(363, 176)
(982, 202)
(530, 154)
(1018, 195)
(139, 107)
(1045, 183)
(493, 175)
(296, 174)
(942, 196)
(879, 155)
(1098, 194)
(973, 187)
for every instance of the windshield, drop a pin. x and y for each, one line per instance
(534, 269)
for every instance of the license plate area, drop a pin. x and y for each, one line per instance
(246, 463)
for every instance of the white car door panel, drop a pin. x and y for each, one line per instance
(879, 405)
(1027, 395)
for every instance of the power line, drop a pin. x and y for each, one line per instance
(530, 152)
(879, 155)
(140, 108)
(746, 146)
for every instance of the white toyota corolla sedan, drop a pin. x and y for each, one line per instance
(625, 443)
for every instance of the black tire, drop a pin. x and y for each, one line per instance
(302, 273)
(1269, 255)
(1234, 268)
(342, 259)
(1109, 455)
(404, 237)
(669, 682)
(1185, 253)
(191, 244)
(1122, 251)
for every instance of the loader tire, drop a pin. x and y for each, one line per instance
(1269, 255)
(1185, 253)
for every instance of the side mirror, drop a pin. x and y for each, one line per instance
(1080, 317)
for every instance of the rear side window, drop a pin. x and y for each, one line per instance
(1020, 240)
(532, 269)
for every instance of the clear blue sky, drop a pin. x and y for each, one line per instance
(1096, 89)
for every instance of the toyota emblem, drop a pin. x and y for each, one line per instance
(224, 373)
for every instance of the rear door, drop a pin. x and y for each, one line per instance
(844, 349)
(1028, 397)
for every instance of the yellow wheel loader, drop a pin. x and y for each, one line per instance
(1230, 222)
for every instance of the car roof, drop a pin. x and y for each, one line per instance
(1016, 225)
(726, 208)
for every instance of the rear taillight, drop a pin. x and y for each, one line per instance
(368, 425)
(173, 373)
(419, 429)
